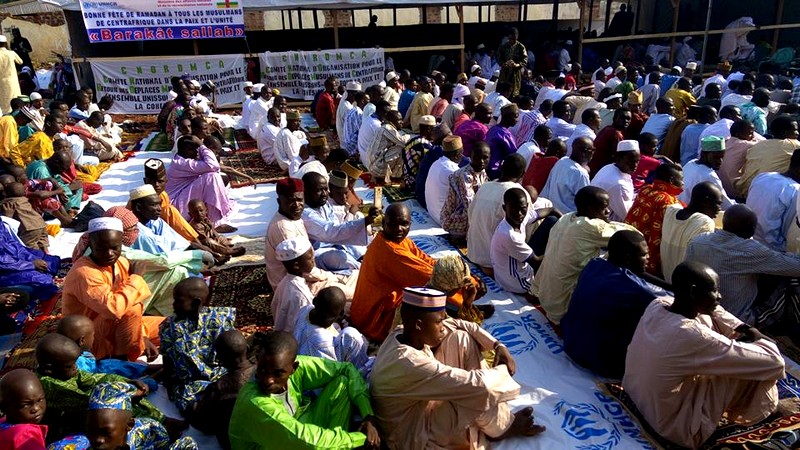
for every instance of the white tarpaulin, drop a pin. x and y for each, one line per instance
(141, 86)
(147, 20)
(303, 74)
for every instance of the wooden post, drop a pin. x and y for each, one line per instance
(608, 15)
(591, 12)
(336, 28)
(777, 32)
(196, 48)
(581, 23)
(705, 37)
(674, 30)
(460, 12)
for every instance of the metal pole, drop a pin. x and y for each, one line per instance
(460, 12)
(705, 37)
(582, 5)
(674, 30)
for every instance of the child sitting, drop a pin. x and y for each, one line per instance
(207, 235)
(272, 411)
(510, 253)
(321, 331)
(43, 194)
(32, 228)
(22, 401)
(213, 410)
(81, 330)
(187, 342)
(67, 389)
(110, 424)
(292, 293)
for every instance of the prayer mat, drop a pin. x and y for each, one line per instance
(245, 288)
(727, 435)
(242, 139)
(251, 163)
(23, 355)
(159, 143)
(397, 194)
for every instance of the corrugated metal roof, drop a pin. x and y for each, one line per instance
(27, 7)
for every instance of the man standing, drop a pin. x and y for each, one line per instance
(346, 104)
(512, 57)
(326, 106)
(9, 82)
(691, 362)
(258, 111)
(448, 397)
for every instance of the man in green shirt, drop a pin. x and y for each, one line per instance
(271, 412)
(512, 58)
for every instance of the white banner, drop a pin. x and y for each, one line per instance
(141, 86)
(302, 74)
(149, 20)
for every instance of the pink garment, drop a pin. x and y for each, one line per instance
(733, 163)
(471, 132)
(201, 178)
(23, 436)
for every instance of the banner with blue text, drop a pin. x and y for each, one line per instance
(149, 20)
(302, 74)
(141, 86)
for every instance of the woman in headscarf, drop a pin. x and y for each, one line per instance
(163, 271)
(451, 275)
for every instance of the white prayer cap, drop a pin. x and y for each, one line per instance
(35, 96)
(628, 145)
(247, 84)
(142, 191)
(105, 223)
(569, 42)
(679, 68)
(353, 86)
(382, 84)
(474, 68)
(392, 75)
(292, 248)
(257, 87)
(481, 47)
(619, 69)
(3, 38)
(612, 97)
(691, 65)
(195, 83)
(427, 120)
(608, 70)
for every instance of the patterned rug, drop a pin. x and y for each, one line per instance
(159, 143)
(727, 435)
(243, 140)
(246, 288)
(251, 163)
(396, 194)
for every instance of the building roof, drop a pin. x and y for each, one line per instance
(27, 7)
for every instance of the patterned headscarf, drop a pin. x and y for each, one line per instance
(112, 395)
(129, 234)
(450, 273)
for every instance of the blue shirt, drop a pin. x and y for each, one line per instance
(658, 124)
(667, 81)
(773, 197)
(405, 101)
(605, 309)
(690, 142)
(78, 114)
(156, 237)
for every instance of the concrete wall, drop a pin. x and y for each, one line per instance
(44, 38)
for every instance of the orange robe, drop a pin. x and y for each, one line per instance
(113, 300)
(173, 217)
(387, 268)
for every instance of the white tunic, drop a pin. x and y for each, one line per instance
(437, 185)
(266, 141)
(509, 253)
(291, 295)
(287, 146)
(619, 186)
